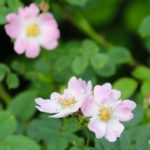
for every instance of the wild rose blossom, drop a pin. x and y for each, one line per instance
(106, 112)
(70, 101)
(30, 29)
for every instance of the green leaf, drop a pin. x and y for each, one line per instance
(103, 144)
(2, 73)
(89, 48)
(12, 81)
(7, 7)
(62, 63)
(132, 134)
(77, 2)
(24, 102)
(8, 124)
(141, 73)
(18, 67)
(108, 70)
(3, 70)
(145, 27)
(143, 138)
(43, 128)
(147, 44)
(138, 117)
(134, 17)
(120, 55)
(125, 140)
(17, 4)
(42, 66)
(3, 14)
(18, 142)
(1, 107)
(64, 140)
(99, 60)
(127, 86)
(2, 2)
(79, 65)
(61, 144)
(71, 126)
(145, 89)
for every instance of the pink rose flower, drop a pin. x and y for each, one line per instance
(70, 101)
(30, 29)
(106, 112)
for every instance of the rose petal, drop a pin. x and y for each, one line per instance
(114, 129)
(28, 12)
(98, 127)
(123, 110)
(47, 106)
(102, 93)
(13, 27)
(32, 50)
(20, 45)
(89, 108)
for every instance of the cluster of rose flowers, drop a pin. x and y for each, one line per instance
(101, 105)
(31, 29)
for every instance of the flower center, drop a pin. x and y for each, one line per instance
(33, 30)
(105, 114)
(67, 102)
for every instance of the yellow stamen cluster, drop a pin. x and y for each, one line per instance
(67, 102)
(105, 114)
(33, 30)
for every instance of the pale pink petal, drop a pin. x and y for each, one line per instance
(102, 93)
(48, 19)
(47, 106)
(98, 127)
(107, 86)
(13, 26)
(20, 45)
(130, 104)
(49, 37)
(28, 12)
(49, 32)
(89, 108)
(89, 87)
(49, 45)
(116, 94)
(67, 111)
(123, 110)
(32, 50)
(61, 114)
(105, 94)
(77, 85)
(12, 17)
(55, 96)
(114, 129)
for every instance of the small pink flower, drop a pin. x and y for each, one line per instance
(67, 103)
(106, 112)
(31, 29)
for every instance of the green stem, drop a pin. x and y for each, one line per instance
(88, 139)
(82, 24)
(63, 125)
(4, 95)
